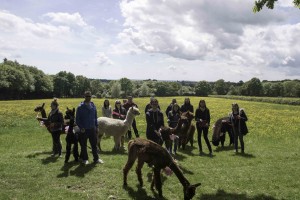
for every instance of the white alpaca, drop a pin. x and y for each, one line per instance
(115, 127)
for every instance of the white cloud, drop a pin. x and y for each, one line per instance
(213, 30)
(74, 19)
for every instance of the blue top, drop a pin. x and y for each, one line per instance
(86, 116)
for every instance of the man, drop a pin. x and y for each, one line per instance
(127, 105)
(86, 119)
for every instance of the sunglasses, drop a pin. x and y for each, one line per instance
(88, 96)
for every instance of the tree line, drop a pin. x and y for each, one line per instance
(19, 81)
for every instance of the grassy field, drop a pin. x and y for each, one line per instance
(269, 169)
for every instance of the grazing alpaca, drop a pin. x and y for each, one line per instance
(115, 127)
(159, 158)
(72, 136)
(187, 130)
(220, 127)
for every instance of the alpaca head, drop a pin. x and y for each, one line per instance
(39, 108)
(190, 191)
(133, 110)
(189, 115)
(70, 113)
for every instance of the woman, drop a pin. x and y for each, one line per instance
(187, 106)
(119, 113)
(173, 117)
(106, 109)
(155, 120)
(202, 118)
(56, 120)
(238, 120)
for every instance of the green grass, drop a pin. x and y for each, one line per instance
(269, 169)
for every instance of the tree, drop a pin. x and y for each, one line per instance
(144, 90)
(220, 87)
(258, 5)
(126, 86)
(202, 88)
(82, 84)
(96, 87)
(161, 89)
(116, 90)
(254, 87)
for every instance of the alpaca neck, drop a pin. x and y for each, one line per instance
(43, 113)
(178, 126)
(179, 174)
(129, 119)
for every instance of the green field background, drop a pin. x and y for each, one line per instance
(270, 168)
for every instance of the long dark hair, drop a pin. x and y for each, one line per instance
(104, 105)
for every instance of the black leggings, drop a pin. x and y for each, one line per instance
(56, 142)
(205, 135)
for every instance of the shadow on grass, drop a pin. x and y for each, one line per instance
(141, 193)
(188, 150)
(37, 153)
(114, 152)
(225, 148)
(50, 159)
(66, 169)
(244, 155)
(80, 170)
(222, 195)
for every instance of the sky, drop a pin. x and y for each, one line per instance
(153, 39)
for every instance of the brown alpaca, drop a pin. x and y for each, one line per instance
(41, 109)
(187, 130)
(159, 158)
(220, 127)
(166, 132)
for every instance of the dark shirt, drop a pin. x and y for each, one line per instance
(173, 118)
(148, 107)
(154, 119)
(204, 116)
(187, 107)
(239, 124)
(86, 116)
(119, 113)
(56, 120)
(127, 105)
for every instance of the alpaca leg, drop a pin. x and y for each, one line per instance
(68, 151)
(99, 141)
(122, 141)
(139, 171)
(157, 181)
(117, 142)
(75, 150)
(132, 156)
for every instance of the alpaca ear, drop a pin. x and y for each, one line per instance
(67, 108)
(74, 110)
(196, 185)
(43, 105)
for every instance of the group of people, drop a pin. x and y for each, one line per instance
(86, 120)
(155, 120)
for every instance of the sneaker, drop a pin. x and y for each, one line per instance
(85, 162)
(99, 161)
